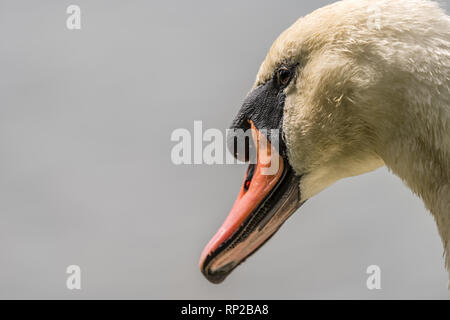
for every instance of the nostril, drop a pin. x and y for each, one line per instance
(250, 173)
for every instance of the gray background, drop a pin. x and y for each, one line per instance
(86, 175)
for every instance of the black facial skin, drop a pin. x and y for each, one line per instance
(264, 107)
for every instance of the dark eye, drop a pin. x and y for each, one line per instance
(283, 76)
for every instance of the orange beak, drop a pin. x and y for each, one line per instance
(264, 202)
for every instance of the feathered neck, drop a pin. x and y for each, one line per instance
(419, 153)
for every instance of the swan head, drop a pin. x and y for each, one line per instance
(331, 86)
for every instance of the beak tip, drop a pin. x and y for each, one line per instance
(217, 276)
(214, 277)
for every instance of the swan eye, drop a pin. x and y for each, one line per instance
(283, 76)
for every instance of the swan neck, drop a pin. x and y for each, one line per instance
(419, 154)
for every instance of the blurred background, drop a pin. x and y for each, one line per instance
(86, 176)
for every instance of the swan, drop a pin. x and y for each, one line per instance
(353, 86)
